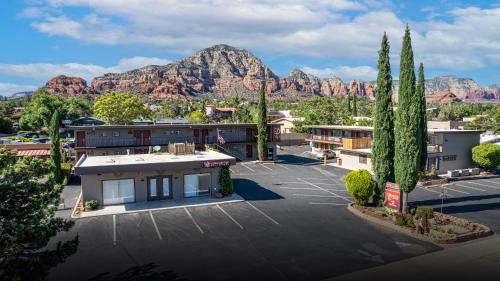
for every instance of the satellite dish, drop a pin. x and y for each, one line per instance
(156, 148)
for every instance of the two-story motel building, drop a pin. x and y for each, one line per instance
(237, 140)
(447, 149)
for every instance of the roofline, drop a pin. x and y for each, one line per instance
(142, 126)
(369, 128)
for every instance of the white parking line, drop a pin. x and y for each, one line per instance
(264, 166)
(284, 167)
(298, 188)
(229, 216)
(316, 195)
(114, 230)
(434, 191)
(466, 186)
(299, 182)
(331, 192)
(156, 227)
(327, 203)
(485, 185)
(192, 219)
(262, 213)
(459, 191)
(247, 167)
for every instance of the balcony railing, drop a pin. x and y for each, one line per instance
(435, 148)
(118, 142)
(326, 138)
(356, 143)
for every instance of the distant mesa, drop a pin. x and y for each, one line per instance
(442, 97)
(223, 71)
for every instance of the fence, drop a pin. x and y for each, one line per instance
(288, 139)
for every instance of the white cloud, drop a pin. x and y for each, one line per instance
(346, 73)
(466, 40)
(44, 71)
(7, 89)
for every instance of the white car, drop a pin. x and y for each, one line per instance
(329, 154)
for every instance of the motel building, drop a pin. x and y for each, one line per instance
(181, 173)
(447, 149)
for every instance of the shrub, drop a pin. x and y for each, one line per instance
(486, 155)
(225, 181)
(404, 220)
(360, 185)
(424, 212)
(66, 170)
(91, 205)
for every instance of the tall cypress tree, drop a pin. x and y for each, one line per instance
(354, 104)
(407, 148)
(348, 102)
(420, 89)
(262, 125)
(383, 131)
(55, 147)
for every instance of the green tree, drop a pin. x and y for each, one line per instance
(486, 155)
(75, 108)
(422, 115)
(6, 125)
(349, 102)
(262, 125)
(383, 131)
(407, 149)
(197, 117)
(225, 181)
(55, 148)
(119, 108)
(242, 115)
(355, 104)
(28, 220)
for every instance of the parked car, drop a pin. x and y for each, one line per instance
(69, 144)
(40, 140)
(27, 135)
(327, 152)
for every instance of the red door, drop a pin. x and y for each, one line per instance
(146, 137)
(138, 137)
(249, 151)
(80, 139)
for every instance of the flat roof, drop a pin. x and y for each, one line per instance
(141, 162)
(151, 126)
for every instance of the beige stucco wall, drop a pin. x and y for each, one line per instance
(351, 162)
(92, 184)
(459, 144)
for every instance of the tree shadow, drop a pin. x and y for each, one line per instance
(144, 272)
(250, 190)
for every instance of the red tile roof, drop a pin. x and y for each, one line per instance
(34, 153)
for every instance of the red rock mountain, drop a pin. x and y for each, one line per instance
(222, 71)
(442, 97)
(68, 86)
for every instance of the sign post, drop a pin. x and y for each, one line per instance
(392, 196)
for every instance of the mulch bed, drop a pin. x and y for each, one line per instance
(443, 228)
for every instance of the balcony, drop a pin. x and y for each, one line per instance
(124, 142)
(434, 148)
(328, 139)
(356, 143)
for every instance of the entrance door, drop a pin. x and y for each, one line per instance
(137, 137)
(196, 135)
(249, 134)
(146, 137)
(159, 187)
(249, 151)
(204, 135)
(118, 191)
(80, 139)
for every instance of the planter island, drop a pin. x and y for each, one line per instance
(120, 179)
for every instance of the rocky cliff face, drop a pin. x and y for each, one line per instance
(68, 86)
(223, 70)
(220, 69)
(442, 97)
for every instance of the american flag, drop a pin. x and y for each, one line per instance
(221, 140)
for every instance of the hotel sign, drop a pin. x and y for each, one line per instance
(392, 196)
(216, 163)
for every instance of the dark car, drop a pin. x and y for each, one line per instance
(40, 140)
(69, 144)
(27, 135)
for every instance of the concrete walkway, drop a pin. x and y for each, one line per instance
(475, 260)
(159, 205)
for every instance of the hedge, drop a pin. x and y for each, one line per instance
(225, 181)
(359, 184)
(486, 155)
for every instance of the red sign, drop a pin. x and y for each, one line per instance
(214, 164)
(392, 196)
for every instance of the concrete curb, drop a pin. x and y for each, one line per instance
(441, 243)
(163, 208)
(76, 206)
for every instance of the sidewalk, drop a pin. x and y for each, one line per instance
(159, 205)
(475, 260)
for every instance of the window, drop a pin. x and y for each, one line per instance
(118, 191)
(363, 159)
(116, 134)
(197, 185)
(450, 158)
(104, 134)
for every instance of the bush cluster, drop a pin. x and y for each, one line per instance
(225, 181)
(404, 220)
(486, 155)
(424, 212)
(91, 205)
(359, 184)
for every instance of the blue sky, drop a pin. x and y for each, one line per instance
(86, 38)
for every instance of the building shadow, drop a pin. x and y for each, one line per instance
(250, 190)
(470, 208)
(144, 272)
(291, 159)
(437, 201)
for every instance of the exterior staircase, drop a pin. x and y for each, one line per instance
(225, 150)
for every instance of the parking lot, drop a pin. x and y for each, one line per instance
(293, 226)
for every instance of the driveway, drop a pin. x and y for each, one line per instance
(293, 226)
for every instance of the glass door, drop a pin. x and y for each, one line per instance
(166, 187)
(153, 189)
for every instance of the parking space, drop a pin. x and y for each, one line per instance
(293, 226)
(477, 200)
